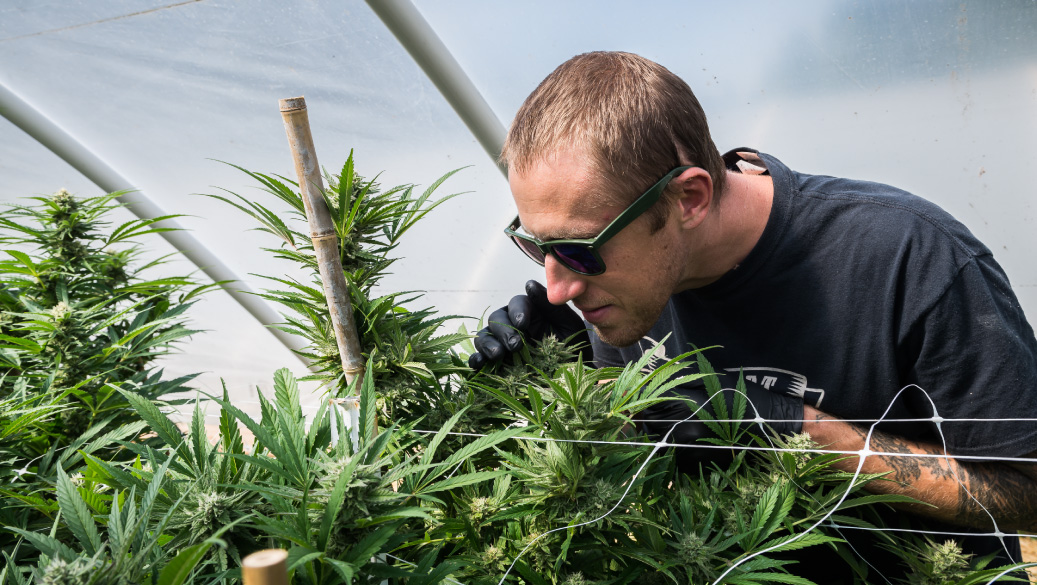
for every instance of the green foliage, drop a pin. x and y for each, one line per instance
(405, 345)
(531, 471)
(78, 323)
(75, 314)
(933, 563)
(576, 496)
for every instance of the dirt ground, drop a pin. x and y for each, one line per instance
(1029, 546)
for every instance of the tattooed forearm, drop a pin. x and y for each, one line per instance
(966, 493)
(995, 489)
(905, 470)
(910, 470)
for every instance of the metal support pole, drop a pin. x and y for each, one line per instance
(414, 33)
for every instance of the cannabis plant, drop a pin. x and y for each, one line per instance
(76, 313)
(344, 512)
(78, 322)
(944, 563)
(406, 348)
(530, 471)
(125, 545)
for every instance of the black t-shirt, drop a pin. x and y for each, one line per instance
(854, 292)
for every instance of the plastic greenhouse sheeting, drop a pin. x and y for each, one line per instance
(935, 97)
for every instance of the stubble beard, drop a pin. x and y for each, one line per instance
(620, 338)
(630, 333)
(644, 316)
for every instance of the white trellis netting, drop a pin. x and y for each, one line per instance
(939, 98)
(862, 456)
(934, 97)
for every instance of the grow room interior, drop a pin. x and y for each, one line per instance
(935, 97)
(939, 98)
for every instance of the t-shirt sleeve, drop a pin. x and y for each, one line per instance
(976, 357)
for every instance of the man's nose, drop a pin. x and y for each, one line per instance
(563, 285)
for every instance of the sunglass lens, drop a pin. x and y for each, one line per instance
(530, 249)
(578, 258)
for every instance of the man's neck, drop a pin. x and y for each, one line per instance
(732, 229)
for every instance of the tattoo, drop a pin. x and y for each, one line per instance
(967, 492)
(906, 470)
(999, 490)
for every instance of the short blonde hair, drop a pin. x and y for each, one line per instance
(634, 118)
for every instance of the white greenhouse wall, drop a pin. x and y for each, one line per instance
(939, 98)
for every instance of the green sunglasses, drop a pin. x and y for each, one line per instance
(581, 256)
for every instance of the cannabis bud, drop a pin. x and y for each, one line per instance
(946, 563)
(211, 509)
(60, 572)
(60, 311)
(479, 508)
(493, 556)
(690, 548)
(64, 199)
(576, 579)
(801, 443)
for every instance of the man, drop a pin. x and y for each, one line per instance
(839, 299)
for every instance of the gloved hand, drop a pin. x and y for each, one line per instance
(530, 315)
(786, 411)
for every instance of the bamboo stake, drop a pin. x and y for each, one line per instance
(322, 233)
(265, 567)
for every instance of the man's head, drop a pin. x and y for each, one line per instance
(593, 137)
(631, 118)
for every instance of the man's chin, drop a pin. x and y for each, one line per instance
(617, 336)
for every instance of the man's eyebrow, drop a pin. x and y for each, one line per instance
(567, 235)
(566, 232)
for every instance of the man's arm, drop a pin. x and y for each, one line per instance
(1007, 490)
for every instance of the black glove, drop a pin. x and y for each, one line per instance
(530, 315)
(786, 411)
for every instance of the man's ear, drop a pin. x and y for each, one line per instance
(696, 197)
